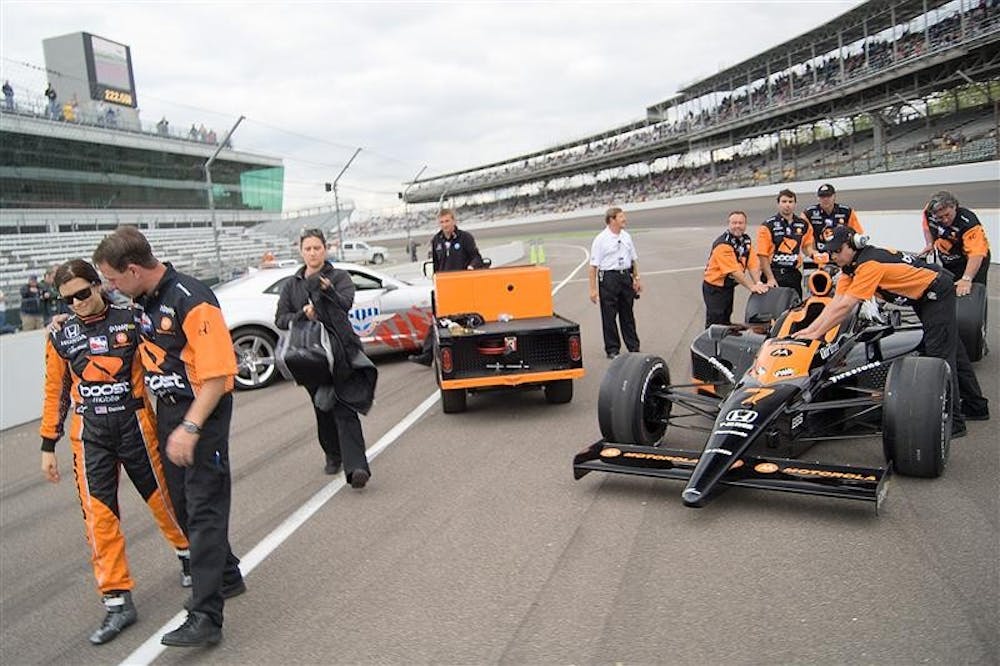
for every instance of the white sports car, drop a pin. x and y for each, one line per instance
(389, 315)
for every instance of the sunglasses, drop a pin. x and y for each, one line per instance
(81, 295)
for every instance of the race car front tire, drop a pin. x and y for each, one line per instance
(970, 311)
(916, 421)
(630, 406)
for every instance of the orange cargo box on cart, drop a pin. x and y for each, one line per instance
(495, 328)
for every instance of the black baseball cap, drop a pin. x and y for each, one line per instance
(841, 235)
(825, 190)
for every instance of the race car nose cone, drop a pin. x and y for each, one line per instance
(691, 497)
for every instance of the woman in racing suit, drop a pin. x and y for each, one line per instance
(318, 291)
(93, 372)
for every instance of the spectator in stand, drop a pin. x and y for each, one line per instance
(32, 317)
(163, 127)
(4, 326)
(202, 134)
(211, 137)
(193, 133)
(8, 96)
(53, 109)
(49, 295)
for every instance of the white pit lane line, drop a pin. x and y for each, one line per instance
(152, 648)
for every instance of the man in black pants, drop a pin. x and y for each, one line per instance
(614, 280)
(731, 261)
(188, 358)
(451, 250)
(900, 279)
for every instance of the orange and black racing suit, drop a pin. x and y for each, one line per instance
(823, 223)
(92, 370)
(185, 342)
(730, 254)
(782, 242)
(956, 242)
(904, 280)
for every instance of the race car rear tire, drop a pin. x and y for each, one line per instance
(971, 314)
(629, 410)
(559, 391)
(916, 421)
(453, 401)
(765, 308)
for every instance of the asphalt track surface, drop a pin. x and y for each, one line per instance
(473, 543)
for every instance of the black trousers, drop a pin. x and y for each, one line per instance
(786, 276)
(941, 339)
(201, 495)
(617, 298)
(718, 303)
(340, 436)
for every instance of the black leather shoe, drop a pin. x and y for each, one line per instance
(958, 430)
(185, 570)
(198, 630)
(976, 416)
(359, 478)
(422, 359)
(612, 354)
(332, 466)
(228, 592)
(120, 614)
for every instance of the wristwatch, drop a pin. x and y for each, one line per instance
(966, 278)
(191, 427)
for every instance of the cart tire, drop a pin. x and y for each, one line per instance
(630, 409)
(559, 391)
(916, 416)
(971, 314)
(765, 308)
(453, 400)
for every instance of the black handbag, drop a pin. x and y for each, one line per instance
(305, 354)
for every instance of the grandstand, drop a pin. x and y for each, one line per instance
(888, 85)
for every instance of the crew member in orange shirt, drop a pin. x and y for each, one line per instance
(781, 241)
(899, 278)
(731, 261)
(959, 239)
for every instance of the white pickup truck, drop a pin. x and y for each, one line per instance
(360, 252)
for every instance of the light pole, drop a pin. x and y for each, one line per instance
(406, 209)
(336, 205)
(211, 197)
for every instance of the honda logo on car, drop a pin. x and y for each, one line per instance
(742, 415)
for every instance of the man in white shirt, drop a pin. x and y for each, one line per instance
(614, 278)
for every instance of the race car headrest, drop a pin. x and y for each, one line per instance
(820, 283)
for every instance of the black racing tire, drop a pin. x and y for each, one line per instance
(254, 347)
(916, 416)
(453, 401)
(970, 311)
(765, 308)
(559, 391)
(378, 259)
(629, 409)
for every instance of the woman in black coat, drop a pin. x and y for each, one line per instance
(318, 291)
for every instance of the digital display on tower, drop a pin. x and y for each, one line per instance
(109, 65)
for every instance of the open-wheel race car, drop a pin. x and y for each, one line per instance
(770, 397)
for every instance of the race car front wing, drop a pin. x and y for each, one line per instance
(787, 475)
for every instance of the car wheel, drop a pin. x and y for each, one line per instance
(453, 400)
(255, 368)
(916, 416)
(378, 259)
(971, 314)
(559, 392)
(631, 405)
(765, 308)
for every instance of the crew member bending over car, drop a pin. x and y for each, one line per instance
(732, 260)
(959, 239)
(781, 241)
(451, 250)
(93, 372)
(826, 216)
(901, 279)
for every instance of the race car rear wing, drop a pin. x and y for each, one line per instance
(764, 473)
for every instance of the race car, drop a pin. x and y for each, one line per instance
(770, 397)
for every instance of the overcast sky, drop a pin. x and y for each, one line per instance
(446, 85)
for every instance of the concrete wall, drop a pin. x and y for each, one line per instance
(21, 378)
